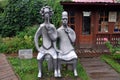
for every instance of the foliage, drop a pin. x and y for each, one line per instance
(112, 48)
(19, 14)
(66, 0)
(28, 70)
(109, 59)
(81, 72)
(116, 56)
(12, 45)
(3, 4)
(57, 8)
(23, 40)
(29, 31)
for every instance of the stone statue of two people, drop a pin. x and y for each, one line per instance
(49, 34)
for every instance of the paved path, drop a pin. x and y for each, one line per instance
(6, 71)
(99, 70)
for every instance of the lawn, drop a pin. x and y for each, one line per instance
(27, 69)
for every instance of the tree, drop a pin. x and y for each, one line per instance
(19, 14)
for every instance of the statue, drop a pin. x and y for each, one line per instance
(49, 35)
(66, 37)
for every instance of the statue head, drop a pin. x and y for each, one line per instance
(64, 18)
(46, 12)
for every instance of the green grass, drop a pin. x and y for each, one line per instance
(81, 72)
(110, 60)
(28, 70)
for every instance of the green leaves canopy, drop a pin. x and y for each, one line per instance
(19, 14)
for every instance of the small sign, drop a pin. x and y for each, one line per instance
(86, 13)
(112, 16)
(25, 54)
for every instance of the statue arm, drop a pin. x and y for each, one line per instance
(55, 46)
(36, 37)
(52, 33)
(72, 35)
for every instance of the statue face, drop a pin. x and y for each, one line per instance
(46, 13)
(65, 18)
(64, 21)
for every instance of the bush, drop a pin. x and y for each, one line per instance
(29, 31)
(3, 4)
(23, 40)
(115, 50)
(19, 14)
(116, 56)
(58, 9)
(110, 47)
(12, 45)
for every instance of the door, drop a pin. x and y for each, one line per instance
(85, 29)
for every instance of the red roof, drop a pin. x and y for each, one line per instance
(108, 1)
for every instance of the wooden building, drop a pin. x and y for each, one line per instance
(94, 21)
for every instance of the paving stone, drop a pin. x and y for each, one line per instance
(6, 71)
(99, 70)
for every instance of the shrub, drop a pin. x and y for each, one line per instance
(29, 31)
(114, 49)
(3, 4)
(57, 8)
(12, 45)
(116, 56)
(110, 47)
(23, 40)
(19, 14)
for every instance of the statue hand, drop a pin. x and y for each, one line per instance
(67, 30)
(50, 30)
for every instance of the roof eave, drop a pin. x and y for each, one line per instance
(88, 3)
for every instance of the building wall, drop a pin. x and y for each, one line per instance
(103, 25)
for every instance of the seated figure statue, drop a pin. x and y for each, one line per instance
(48, 33)
(66, 36)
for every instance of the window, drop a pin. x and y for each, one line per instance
(117, 24)
(103, 21)
(86, 23)
(71, 19)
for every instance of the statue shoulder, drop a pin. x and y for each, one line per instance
(42, 25)
(51, 25)
(71, 29)
(59, 29)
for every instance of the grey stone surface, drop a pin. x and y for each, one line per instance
(66, 38)
(48, 33)
(25, 54)
(99, 70)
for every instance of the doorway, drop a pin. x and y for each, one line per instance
(86, 34)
